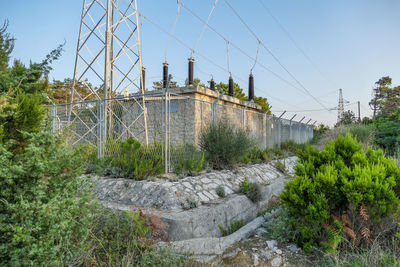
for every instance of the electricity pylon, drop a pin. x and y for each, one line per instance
(340, 106)
(108, 59)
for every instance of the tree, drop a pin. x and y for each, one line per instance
(348, 118)
(196, 82)
(60, 91)
(238, 93)
(386, 98)
(159, 85)
(6, 46)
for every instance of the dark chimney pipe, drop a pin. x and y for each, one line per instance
(251, 87)
(143, 82)
(191, 60)
(230, 86)
(212, 84)
(165, 74)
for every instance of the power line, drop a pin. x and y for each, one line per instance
(273, 56)
(238, 48)
(204, 27)
(295, 43)
(206, 58)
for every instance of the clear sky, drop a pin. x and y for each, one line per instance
(350, 44)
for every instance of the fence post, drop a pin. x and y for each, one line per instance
(54, 119)
(166, 126)
(102, 128)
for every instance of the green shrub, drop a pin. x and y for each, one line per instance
(116, 237)
(387, 132)
(137, 161)
(42, 222)
(291, 147)
(234, 226)
(281, 166)
(341, 179)
(220, 190)
(280, 227)
(251, 190)
(187, 159)
(256, 155)
(224, 144)
(164, 257)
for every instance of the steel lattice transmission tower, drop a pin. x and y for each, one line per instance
(108, 59)
(340, 106)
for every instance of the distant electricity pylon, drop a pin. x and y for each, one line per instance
(108, 61)
(340, 106)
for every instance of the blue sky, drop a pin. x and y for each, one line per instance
(351, 45)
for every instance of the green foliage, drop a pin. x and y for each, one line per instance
(224, 144)
(6, 46)
(251, 190)
(234, 226)
(220, 190)
(336, 179)
(292, 147)
(347, 118)
(281, 166)
(187, 159)
(256, 155)
(116, 237)
(280, 227)
(386, 98)
(387, 132)
(136, 161)
(42, 222)
(164, 257)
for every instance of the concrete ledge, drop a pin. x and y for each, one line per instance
(205, 249)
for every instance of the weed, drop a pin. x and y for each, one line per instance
(220, 190)
(234, 226)
(251, 190)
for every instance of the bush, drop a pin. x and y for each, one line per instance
(187, 160)
(135, 161)
(280, 227)
(220, 190)
(281, 166)
(292, 147)
(234, 226)
(224, 144)
(341, 189)
(251, 190)
(42, 222)
(256, 155)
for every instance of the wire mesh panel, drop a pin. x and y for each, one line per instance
(174, 124)
(79, 122)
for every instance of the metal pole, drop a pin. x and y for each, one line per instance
(308, 121)
(282, 114)
(141, 75)
(191, 69)
(166, 143)
(359, 113)
(302, 119)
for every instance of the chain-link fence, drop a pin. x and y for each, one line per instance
(171, 119)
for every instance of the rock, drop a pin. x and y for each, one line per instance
(278, 251)
(255, 259)
(272, 244)
(232, 253)
(266, 254)
(276, 262)
(228, 190)
(260, 231)
(293, 248)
